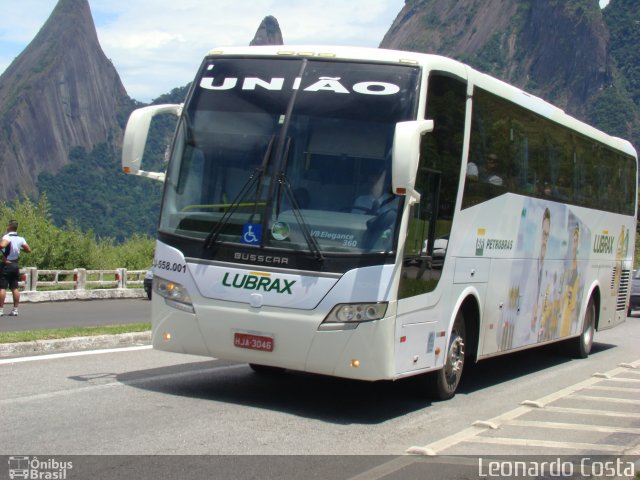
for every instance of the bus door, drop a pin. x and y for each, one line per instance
(430, 222)
(431, 219)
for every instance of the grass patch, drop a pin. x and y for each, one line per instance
(57, 333)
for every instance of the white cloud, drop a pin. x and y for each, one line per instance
(157, 45)
(21, 20)
(149, 40)
(19, 23)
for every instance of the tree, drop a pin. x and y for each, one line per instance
(69, 247)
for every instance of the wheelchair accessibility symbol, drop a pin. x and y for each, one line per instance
(251, 233)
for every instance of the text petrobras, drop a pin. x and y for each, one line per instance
(587, 467)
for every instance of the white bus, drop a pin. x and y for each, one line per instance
(375, 214)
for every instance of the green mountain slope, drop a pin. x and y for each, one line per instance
(93, 191)
(556, 49)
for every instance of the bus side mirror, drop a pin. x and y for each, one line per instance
(135, 138)
(406, 155)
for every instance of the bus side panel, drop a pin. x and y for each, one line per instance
(543, 265)
(539, 253)
(419, 319)
(525, 308)
(424, 321)
(416, 346)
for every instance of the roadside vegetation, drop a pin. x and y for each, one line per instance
(58, 333)
(69, 247)
(66, 248)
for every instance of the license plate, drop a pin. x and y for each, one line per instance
(253, 342)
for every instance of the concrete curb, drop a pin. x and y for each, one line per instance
(74, 344)
(63, 295)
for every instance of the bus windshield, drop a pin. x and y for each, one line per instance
(289, 154)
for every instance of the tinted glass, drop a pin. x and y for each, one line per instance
(288, 153)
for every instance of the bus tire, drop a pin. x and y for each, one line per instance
(580, 346)
(445, 381)
(265, 369)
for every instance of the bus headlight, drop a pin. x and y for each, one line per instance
(349, 315)
(174, 294)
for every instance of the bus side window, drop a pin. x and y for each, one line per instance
(489, 168)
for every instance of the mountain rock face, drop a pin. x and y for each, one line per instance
(268, 33)
(556, 49)
(60, 92)
(623, 18)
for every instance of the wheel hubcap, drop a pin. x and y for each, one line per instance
(587, 335)
(455, 359)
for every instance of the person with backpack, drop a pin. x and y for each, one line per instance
(12, 245)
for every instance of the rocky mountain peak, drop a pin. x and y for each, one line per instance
(60, 92)
(557, 49)
(268, 33)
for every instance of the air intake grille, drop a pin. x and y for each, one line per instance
(623, 288)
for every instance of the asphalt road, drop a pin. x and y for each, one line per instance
(143, 404)
(88, 313)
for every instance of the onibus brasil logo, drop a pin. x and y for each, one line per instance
(38, 469)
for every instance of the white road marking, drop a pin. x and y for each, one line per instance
(471, 434)
(53, 356)
(525, 442)
(616, 389)
(588, 411)
(627, 401)
(574, 426)
(625, 380)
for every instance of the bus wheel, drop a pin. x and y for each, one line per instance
(446, 380)
(266, 369)
(581, 346)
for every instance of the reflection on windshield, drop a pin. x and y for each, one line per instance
(328, 191)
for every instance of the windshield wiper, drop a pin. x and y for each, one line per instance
(254, 178)
(312, 243)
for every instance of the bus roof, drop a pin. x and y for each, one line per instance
(434, 62)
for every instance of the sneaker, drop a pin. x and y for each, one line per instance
(14, 313)
(1, 312)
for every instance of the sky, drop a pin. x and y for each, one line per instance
(157, 45)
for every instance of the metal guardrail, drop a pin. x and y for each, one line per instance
(33, 279)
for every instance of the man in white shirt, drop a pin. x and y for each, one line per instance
(378, 199)
(381, 204)
(11, 245)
